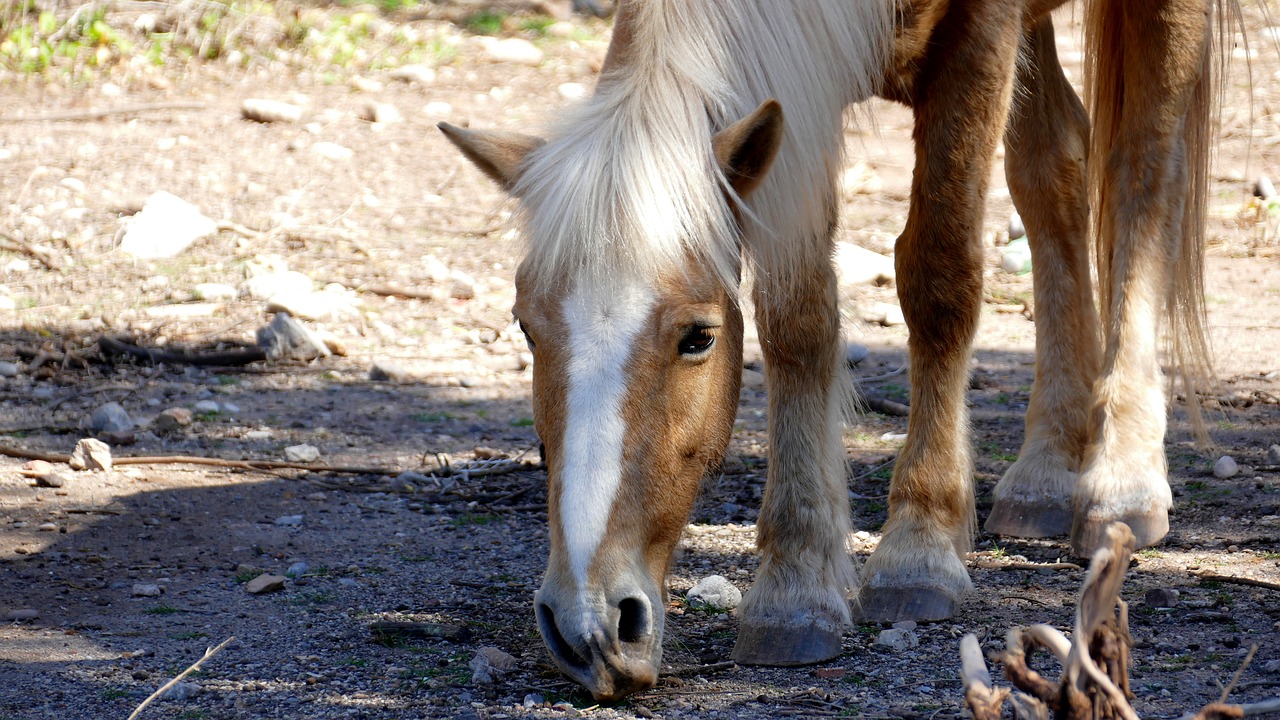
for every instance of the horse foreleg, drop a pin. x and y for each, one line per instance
(797, 609)
(1147, 82)
(961, 99)
(1046, 145)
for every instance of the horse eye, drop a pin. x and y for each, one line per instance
(527, 339)
(697, 341)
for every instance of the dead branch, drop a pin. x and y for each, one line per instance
(1237, 580)
(885, 406)
(983, 700)
(75, 115)
(242, 356)
(208, 653)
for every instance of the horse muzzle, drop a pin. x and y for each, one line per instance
(611, 646)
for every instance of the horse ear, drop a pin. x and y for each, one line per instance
(499, 155)
(746, 149)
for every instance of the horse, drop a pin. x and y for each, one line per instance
(711, 147)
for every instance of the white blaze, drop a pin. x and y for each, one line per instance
(603, 323)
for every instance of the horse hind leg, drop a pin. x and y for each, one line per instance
(1147, 100)
(961, 101)
(1046, 146)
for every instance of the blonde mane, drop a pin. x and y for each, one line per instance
(628, 182)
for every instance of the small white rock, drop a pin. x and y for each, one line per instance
(182, 691)
(269, 284)
(886, 314)
(90, 454)
(269, 111)
(856, 265)
(572, 90)
(714, 592)
(110, 418)
(8, 369)
(421, 74)
(384, 113)
(1225, 467)
(897, 639)
(513, 50)
(1273, 453)
(437, 109)
(289, 521)
(302, 453)
(147, 590)
(1016, 257)
(214, 292)
(332, 151)
(166, 226)
(208, 407)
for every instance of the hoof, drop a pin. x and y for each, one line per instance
(1027, 518)
(786, 645)
(893, 604)
(1090, 532)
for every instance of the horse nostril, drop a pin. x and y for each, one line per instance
(633, 620)
(556, 642)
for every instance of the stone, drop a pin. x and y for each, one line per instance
(512, 50)
(1016, 257)
(22, 615)
(855, 353)
(287, 338)
(166, 226)
(886, 314)
(856, 265)
(1273, 454)
(488, 664)
(147, 590)
(289, 521)
(1016, 228)
(297, 570)
(110, 418)
(182, 692)
(464, 286)
(533, 700)
(172, 419)
(383, 113)
(265, 584)
(247, 571)
(266, 285)
(1264, 188)
(302, 453)
(714, 592)
(437, 109)
(420, 74)
(896, 639)
(51, 479)
(215, 292)
(384, 371)
(47, 527)
(860, 179)
(1225, 467)
(834, 673)
(8, 303)
(572, 90)
(324, 305)
(332, 151)
(269, 111)
(435, 270)
(907, 625)
(90, 454)
(208, 407)
(1162, 597)
(8, 369)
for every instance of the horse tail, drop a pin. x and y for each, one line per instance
(1187, 340)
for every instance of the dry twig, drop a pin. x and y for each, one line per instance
(210, 652)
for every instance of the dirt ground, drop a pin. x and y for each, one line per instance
(465, 545)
